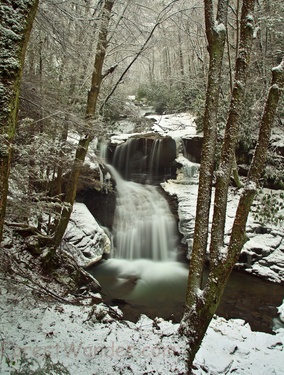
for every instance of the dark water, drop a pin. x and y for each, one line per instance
(158, 289)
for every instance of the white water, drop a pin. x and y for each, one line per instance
(122, 156)
(155, 156)
(103, 151)
(143, 268)
(143, 224)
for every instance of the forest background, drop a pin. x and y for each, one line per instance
(170, 74)
(157, 51)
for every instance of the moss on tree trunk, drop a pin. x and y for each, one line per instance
(16, 20)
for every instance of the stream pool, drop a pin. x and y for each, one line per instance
(143, 276)
(157, 289)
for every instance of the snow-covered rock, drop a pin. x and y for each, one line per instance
(176, 126)
(84, 239)
(270, 267)
(281, 312)
(262, 254)
(187, 197)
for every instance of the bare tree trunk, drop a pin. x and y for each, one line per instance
(202, 302)
(16, 20)
(258, 163)
(197, 317)
(216, 36)
(83, 144)
(232, 130)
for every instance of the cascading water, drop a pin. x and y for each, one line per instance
(142, 271)
(155, 156)
(121, 159)
(147, 159)
(103, 151)
(143, 225)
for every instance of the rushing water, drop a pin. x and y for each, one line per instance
(143, 277)
(143, 224)
(147, 159)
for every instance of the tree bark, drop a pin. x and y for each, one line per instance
(201, 303)
(216, 36)
(83, 144)
(16, 20)
(258, 163)
(232, 130)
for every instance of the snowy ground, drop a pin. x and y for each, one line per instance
(37, 334)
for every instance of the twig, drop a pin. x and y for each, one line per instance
(41, 288)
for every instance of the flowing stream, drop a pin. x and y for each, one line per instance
(143, 276)
(143, 224)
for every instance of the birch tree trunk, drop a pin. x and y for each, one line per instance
(202, 301)
(16, 20)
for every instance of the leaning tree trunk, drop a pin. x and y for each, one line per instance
(83, 144)
(16, 20)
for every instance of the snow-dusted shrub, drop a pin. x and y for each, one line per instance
(269, 208)
(30, 366)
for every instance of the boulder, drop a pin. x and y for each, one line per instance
(84, 239)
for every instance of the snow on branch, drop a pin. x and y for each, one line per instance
(277, 72)
(220, 29)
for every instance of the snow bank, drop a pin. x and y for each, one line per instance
(230, 347)
(87, 340)
(176, 126)
(264, 252)
(281, 312)
(84, 239)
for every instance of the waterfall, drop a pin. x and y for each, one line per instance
(103, 151)
(155, 156)
(146, 159)
(143, 269)
(122, 156)
(143, 224)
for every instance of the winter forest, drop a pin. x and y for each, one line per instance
(142, 187)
